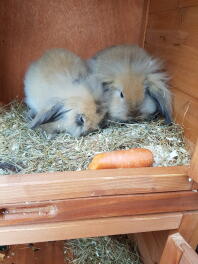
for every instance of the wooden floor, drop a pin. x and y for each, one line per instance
(38, 253)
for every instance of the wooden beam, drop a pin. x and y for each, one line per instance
(87, 228)
(151, 245)
(189, 228)
(193, 171)
(177, 251)
(78, 184)
(98, 207)
(189, 256)
(172, 252)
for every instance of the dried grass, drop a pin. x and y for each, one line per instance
(32, 151)
(105, 250)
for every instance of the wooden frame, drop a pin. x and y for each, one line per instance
(57, 206)
(178, 251)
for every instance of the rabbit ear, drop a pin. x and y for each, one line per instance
(156, 87)
(55, 113)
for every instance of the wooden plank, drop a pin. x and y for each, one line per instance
(98, 207)
(193, 171)
(176, 42)
(186, 114)
(189, 256)
(163, 5)
(151, 245)
(87, 228)
(187, 3)
(172, 252)
(64, 185)
(177, 251)
(38, 253)
(82, 26)
(189, 228)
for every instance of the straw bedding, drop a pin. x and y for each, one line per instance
(26, 151)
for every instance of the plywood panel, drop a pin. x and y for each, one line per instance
(186, 114)
(87, 228)
(186, 3)
(30, 27)
(172, 35)
(176, 42)
(162, 5)
(90, 183)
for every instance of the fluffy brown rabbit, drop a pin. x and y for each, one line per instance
(58, 94)
(134, 84)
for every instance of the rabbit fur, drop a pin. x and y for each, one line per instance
(58, 93)
(133, 82)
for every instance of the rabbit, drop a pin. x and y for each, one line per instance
(133, 83)
(58, 93)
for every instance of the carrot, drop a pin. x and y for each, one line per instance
(132, 158)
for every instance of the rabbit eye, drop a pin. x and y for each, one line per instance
(121, 95)
(80, 120)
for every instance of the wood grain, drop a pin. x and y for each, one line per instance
(177, 251)
(38, 253)
(193, 171)
(87, 228)
(97, 207)
(162, 5)
(151, 245)
(172, 252)
(189, 228)
(186, 114)
(189, 256)
(63, 185)
(176, 42)
(28, 28)
(187, 3)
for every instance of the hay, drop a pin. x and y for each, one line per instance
(31, 151)
(105, 250)
(26, 151)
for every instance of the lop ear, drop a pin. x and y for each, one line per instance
(55, 113)
(157, 88)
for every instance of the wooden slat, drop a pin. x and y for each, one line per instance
(57, 185)
(189, 256)
(82, 26)
(177, 251)
(98, 207)
(38, 253)
(189, 228)
(187, 3)
(87, 228)
(151, 245)
(172, 252)
(193, 171)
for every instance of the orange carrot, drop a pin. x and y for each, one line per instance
(132, 158)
